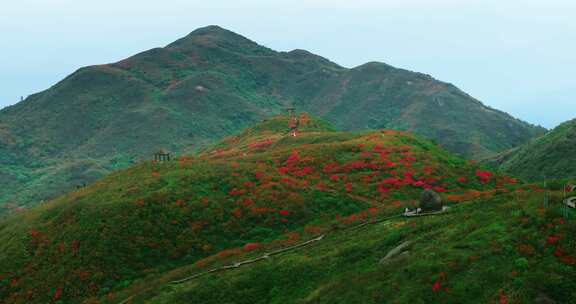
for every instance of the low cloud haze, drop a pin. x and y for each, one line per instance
(515, 56)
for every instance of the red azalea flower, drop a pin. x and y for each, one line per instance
(419, 184)
(551, 240)
(348, 187)
(558, 252)
(293, 158)
(502, 298)
(330, 167)
(383, 157)
(57, 294)
(483, 176)
(321, 187)
(568, 260)
(436, 287)
(283, 170)
(391, 180)
(373, 211)
(305, 171)
(237, 213)
(440, 189)
(247, 202)
(34, 233)
(251, 246)
(284, 212)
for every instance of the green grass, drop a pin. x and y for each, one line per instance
(261, 186)
(548, 157)
(475, 253)
(477, 257)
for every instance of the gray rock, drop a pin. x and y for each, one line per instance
(430, 201)
(398, 251)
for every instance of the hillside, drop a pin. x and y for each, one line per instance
(548, 157)
(260, 189)
(500, 249)
(211, 84)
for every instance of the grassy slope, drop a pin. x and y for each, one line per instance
(209, 85)
(256, 187)
(490, 250)
(546, 157)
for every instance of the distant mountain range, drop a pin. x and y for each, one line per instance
(213, 83)
(552, 156)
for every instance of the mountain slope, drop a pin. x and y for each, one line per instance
(209, 85)
(489, 250)
(261, 187)
(550, 156)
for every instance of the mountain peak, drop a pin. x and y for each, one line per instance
(212, 30)
(214, 36)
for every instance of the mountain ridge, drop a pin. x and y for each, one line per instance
(211, 84)
(549, 156)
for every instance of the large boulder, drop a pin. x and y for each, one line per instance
(430, 201)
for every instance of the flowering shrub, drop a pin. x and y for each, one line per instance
(483, 176)
(502, 299)
(552, 240)
(57, 294)
(436, 286)
(251, 247)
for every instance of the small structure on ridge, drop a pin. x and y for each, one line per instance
(162, 156)
(293, 121)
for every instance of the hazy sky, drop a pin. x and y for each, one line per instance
(514, 55)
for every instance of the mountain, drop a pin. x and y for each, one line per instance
(551, 156)
(259, 190)
(211, 84)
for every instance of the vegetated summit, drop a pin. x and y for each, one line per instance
(263, 190)
(209, 85)
(551, 156)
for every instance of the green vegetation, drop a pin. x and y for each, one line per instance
(256, 191)
(548, 157)
(209, 85)
(496, 250)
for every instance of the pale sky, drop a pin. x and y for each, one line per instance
(513, 55)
